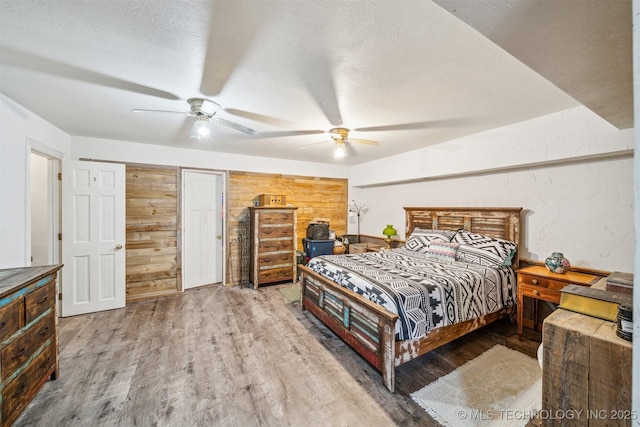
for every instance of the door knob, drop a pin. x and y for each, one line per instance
(219, 236)
(118, 246)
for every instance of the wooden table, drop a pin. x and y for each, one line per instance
(539, 283)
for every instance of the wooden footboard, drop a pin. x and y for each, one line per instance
(367, 327)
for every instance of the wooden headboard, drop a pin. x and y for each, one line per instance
(501, 223)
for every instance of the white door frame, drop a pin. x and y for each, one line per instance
(181, 241)
(55, 158)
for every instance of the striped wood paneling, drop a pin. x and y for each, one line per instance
(314, 197)
(153, 267)
(152, 231)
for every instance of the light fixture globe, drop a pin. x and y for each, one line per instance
(341, 150)
(200, 129)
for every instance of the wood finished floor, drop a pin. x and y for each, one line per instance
(233, 357)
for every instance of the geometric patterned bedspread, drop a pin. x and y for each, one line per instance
(425, 292)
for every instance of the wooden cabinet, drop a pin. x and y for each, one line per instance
(273, 245)
(586, 372)
(28, 335)
(539, 283)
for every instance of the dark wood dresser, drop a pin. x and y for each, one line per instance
(28, 335)
(273, 244)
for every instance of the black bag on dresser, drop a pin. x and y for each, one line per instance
(318, 231)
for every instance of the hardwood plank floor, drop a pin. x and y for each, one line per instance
(233, 357)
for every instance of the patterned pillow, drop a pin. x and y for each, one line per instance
(484, 250)
(445, 251)
(420, 239)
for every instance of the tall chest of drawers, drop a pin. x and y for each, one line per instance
(273, 244)
(28, 335)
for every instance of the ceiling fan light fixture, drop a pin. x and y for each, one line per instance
(341, 150)
(200, 129)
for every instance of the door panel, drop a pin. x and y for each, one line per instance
(93, 230)
(203, 234)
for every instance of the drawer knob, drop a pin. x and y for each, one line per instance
(534, 281)
(535, 292)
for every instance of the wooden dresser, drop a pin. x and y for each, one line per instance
(28, 335)
(273, 244)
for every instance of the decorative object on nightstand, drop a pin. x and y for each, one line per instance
(389, 231)
(538, 283)
(557, 263)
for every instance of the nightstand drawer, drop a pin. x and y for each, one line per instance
(542, 282)
(541, 293)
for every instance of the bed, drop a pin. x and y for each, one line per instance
(365, 299)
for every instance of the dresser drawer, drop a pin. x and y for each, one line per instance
(16, 353)
(276, 258)
(11, 318)
(541, 293)
(275, 231)
(276, 217)
(16, 394)
(39, 301)
(285, 244)
(268, 275)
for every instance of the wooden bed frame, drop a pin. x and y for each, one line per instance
(369, 328)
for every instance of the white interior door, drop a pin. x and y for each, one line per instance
(202, 229)
(93, 237)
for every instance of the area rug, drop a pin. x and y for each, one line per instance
(291, 293)
(501, 387)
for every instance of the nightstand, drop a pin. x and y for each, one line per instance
(359, 248)
(539, 283)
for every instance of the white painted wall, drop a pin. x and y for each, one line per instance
(19, 128)
(39, 210)
(121, 151)
(635, 388)
(583, 209)
(560, 137)
(572, 174)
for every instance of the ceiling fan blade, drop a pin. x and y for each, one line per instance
(259, 117)
(312, 144)
(362, 141)
(416, 125)
(142, 110)
(235, 126)
(280, 134)
(319, 81)
(67, 71)
(226, 46)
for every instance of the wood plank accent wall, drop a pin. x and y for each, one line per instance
(152, 231)
(152, 220)
(315, 198)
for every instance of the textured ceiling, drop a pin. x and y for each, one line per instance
(405, 73)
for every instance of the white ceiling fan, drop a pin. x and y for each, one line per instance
(341, 138)
(204, 111)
